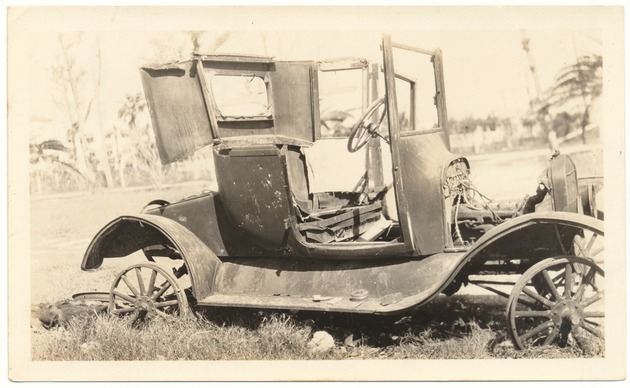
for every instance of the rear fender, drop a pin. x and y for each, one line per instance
(532, 234)
(128, 234)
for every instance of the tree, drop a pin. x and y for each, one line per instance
(196, 38)
(180, 46)
(134, 105)
(582, 82)
(76, 97)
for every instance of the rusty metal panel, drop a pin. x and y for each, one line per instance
(178, 110)
(564, 184)
(128, 234)
(422, 158)
(292, 99)
(296, 175)
(418, 159)
(254, 191)
(391, 284)
(184, 111)
(205, 217)
(535, 235)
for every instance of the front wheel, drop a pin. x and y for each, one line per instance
(558, 301)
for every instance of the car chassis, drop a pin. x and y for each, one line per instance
(279, 235)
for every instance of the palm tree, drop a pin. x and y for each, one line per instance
(581, 81)
(128, 113)
(144, 155)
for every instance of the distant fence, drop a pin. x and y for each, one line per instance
(490, 141)
(477, 142)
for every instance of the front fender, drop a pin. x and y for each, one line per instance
(531, 233)
(128, 234)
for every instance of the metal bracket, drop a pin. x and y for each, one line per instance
(290, 222)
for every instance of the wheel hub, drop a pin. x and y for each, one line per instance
(567, 311)
(145, 303)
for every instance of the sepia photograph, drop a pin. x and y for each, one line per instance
(310, 193)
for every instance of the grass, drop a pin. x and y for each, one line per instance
(458, 327)
(109, 338)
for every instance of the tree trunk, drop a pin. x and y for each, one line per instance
(38, 182)
(99, 138)
(119, 162)
(81, 160)
(585, 122)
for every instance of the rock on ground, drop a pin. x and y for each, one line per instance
(321, 342)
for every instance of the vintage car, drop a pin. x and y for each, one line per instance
(341, 202)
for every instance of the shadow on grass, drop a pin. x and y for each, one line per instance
(455, 327)
(442, 318)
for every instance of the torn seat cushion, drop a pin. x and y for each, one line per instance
(331, 168)
(348, 224)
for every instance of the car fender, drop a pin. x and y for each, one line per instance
(127, 234)
(528, 223)
(451, 265)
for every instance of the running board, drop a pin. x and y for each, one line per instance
(337, 304)
(359, 286)
(388, 304)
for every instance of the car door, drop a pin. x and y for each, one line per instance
(417, 119)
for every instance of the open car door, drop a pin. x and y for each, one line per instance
(417, 119)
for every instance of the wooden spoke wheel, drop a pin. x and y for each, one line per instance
(589, 243)
(586, 242)
(558, 301)
(145, 291)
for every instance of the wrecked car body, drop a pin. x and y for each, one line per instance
(379, 222)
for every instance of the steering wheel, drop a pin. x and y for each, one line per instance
(362, 131)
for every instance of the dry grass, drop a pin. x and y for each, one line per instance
(447, 328)
(188, 338)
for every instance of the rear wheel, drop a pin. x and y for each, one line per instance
(146, 291)
(558, 301)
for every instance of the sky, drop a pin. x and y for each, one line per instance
(486, 69)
